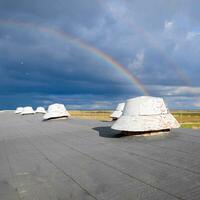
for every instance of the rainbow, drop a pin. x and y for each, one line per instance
(151, 39)
(86, 46)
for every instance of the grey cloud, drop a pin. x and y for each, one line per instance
(35, 61)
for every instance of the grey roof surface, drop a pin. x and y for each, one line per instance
(82, 159)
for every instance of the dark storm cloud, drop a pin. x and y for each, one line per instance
(158, 41)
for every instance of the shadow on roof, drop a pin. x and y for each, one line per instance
(107, 132)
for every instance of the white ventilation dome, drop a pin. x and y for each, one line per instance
(56, 111)
(40, 110)
(118, 112)
(18, 110)
(27, 110)
(145, 114)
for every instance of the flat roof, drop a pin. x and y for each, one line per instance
(85, 159)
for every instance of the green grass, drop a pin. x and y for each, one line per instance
(188, 119)
(191, 125)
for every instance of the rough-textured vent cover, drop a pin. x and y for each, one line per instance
(27, 110)
(145, 106)
(118, 112)
(18, 110)
(40, 110)
(56, 111)
(145, 114)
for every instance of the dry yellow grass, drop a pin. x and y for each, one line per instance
(102, 115)
(187, 119)
(187, 116)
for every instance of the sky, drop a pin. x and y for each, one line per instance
(93, 54)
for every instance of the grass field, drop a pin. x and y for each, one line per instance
(187, 119)
(102, 115)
